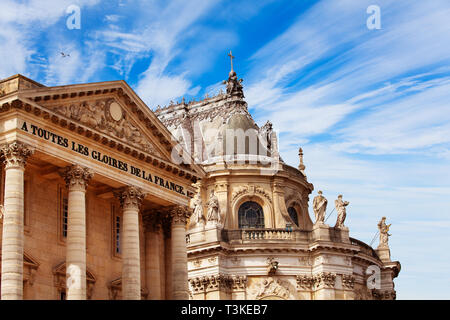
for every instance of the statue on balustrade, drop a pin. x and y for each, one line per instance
(341, 211)
(320, 207)
(384, 235)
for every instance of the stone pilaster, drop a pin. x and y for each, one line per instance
(130, 200)
(279, 205)
(76, 178)
(152, 226)
(15, 155)
(221, 188)
(179, 216)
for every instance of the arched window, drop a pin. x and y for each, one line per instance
(251, 215)
(293, 214)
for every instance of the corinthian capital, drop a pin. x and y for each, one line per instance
(130, 197)
(179, 214)
(76, 176)
(152, 221)
(16, 153)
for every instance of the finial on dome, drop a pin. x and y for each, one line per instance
(234, 85)
(301, 166)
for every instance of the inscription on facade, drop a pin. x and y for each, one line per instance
(99, 156)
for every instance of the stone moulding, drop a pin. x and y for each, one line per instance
(250, 190)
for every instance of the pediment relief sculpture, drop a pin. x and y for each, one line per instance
(108, 117)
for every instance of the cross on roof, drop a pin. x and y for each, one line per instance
(231, 59)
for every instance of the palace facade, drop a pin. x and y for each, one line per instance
(104, 199)
(93, 207)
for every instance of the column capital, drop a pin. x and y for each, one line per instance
(16, 153)
(179, 214)
(152, 221)
(130, 196)
(76, 176)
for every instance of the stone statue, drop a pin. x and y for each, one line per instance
(320, 207)
(197, 217)
(383, 228)
(340, 208)
(213, 207)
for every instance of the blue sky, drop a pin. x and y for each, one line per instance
(371, 108)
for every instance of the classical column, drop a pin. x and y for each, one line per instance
(130, 200)
(76, 178)
(15, 155)
(152, 226)
(179, 216)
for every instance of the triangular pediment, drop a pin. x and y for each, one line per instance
(112, 113)
(60, 270)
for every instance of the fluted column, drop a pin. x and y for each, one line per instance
(179, 216)
(15, 155)
(130, 200)
(77, 178)
(152, 225)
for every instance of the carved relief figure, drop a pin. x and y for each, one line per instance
(272, 287)
(341, 211)
(384, 235)
(320, 207)
(213, 207)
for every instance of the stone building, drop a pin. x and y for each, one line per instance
(251, 235)
(97, 193)
(93, 207)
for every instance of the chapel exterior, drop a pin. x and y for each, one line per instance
(104, 199)
(93, 207)
(250, 235)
